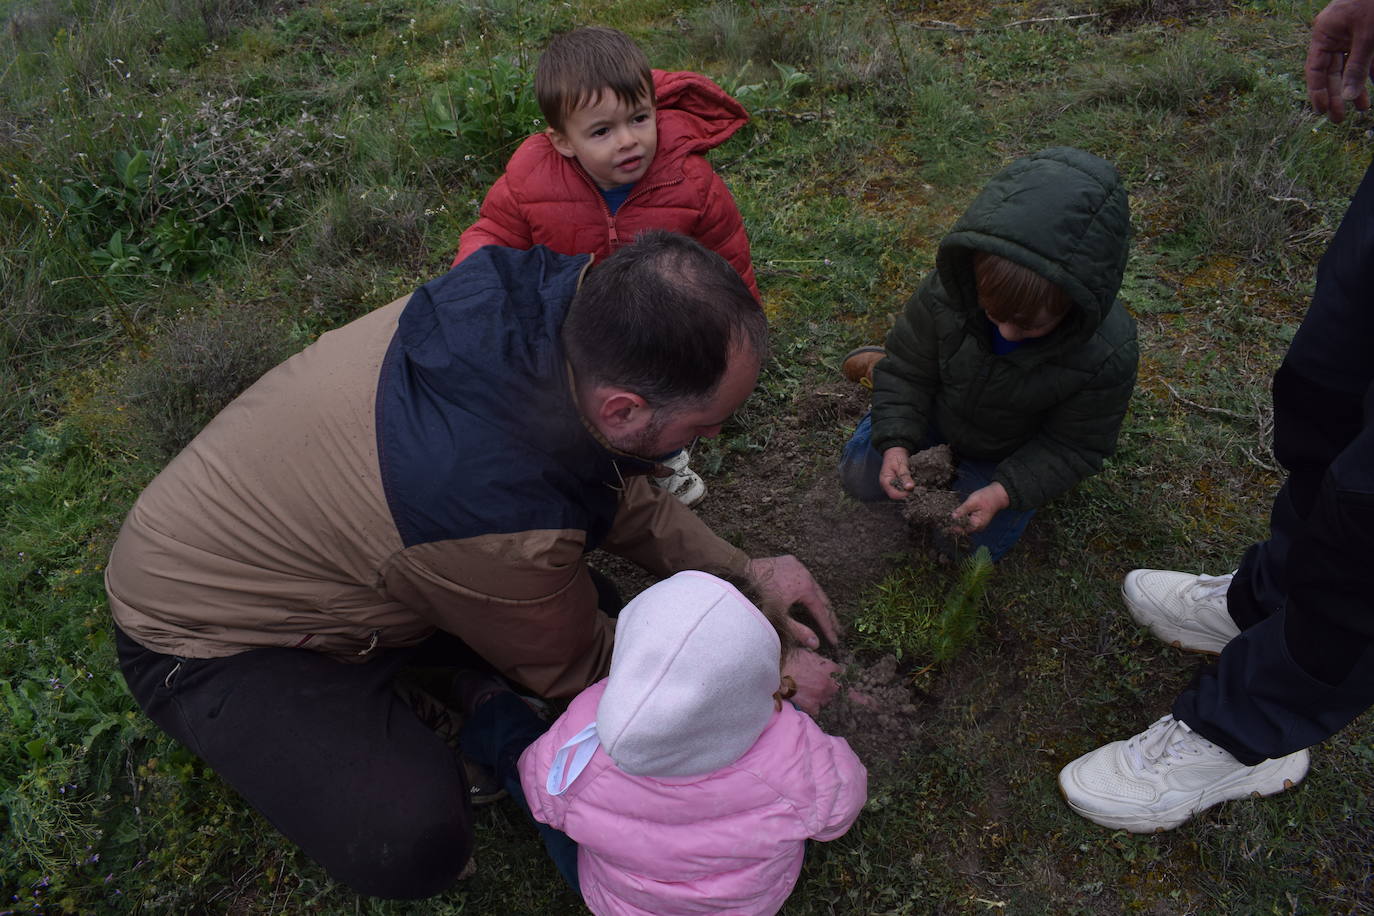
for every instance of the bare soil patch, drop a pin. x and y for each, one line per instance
(786, 498)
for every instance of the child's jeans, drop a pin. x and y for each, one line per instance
(495, 736)
(860, 463)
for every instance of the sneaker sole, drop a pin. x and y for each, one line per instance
(688, 494)
(693, 501)
(1286, 773)
(1145, 614)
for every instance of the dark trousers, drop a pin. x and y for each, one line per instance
(327, 751)
(495, 736)
(330, 753)
(1303, 666)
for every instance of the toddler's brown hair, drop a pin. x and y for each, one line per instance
(1015, 294)
(779, 618)
(578, 66)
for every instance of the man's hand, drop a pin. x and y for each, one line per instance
(895, 476)
(784, 581)
(1339, 57)
(975, 512)
(814, 676)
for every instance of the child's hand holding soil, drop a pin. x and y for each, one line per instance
(930, 503)
(981, 505)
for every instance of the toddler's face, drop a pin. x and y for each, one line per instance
(1037, 327)
(614, 142)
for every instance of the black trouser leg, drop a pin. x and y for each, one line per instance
(1303, 666)
(327, 752)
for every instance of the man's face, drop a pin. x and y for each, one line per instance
(669, 430)
(614, 142)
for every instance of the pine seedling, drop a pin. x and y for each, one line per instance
(959, 619)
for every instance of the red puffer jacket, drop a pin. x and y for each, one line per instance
(547, 199)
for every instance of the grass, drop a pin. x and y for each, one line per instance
(318, 160)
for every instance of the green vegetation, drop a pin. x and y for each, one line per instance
(896, 620)
(192, 190)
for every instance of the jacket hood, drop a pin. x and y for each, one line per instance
(477, 357)
(1061, 212)
(693, 674)
(486, 335)
(694, 114)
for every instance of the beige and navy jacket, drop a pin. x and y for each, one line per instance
(424, 466)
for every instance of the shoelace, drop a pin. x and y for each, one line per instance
(1208, 587)
(1168, 738)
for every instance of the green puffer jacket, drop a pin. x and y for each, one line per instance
(1048, 412)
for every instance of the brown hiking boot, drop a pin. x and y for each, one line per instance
(858, 364)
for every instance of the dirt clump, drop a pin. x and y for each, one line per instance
(876, 713)
(932, 502)
(933, 467)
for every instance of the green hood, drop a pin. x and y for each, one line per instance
(1048, 413)
(1062, 213)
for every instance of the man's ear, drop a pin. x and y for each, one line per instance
(619, 413)
(560, 142)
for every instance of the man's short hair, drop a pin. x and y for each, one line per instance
(1009, 292)
(580, 65)
(661, 317)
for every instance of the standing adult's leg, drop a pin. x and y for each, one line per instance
(1317, 401)
(1301, 674)
(327, 751)
(1304, 664)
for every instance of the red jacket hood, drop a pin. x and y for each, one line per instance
(694, 114)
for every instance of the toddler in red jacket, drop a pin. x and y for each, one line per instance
(623, 152)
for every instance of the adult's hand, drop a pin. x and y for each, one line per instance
(895, 475)
(1340, 55)
(784, 581)
(814, 676)
(974, 513)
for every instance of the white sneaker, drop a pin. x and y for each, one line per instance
(1187, 612)
(684, 483)
(1164, 775)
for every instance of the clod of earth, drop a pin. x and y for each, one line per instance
(933, 467)
(931, 503)
(876, 714)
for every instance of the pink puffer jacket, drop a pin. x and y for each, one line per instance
(727, 842)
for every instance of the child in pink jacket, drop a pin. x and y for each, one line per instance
(686, 781)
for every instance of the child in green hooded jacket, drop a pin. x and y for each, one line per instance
(1014, 350)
